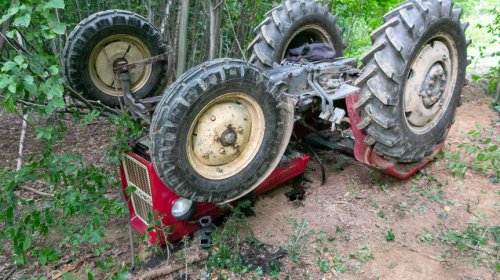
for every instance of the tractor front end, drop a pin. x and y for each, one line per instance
(165, 216)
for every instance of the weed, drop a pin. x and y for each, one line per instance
(427, 236)
(480, 153)
(381, 214)
(299, 238)
(363, 255)
(478, 241)
(377, 181)
(337, 165)
(324, 265)
(226, 242)
(390, 236)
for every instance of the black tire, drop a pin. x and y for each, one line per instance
(106, 30)
(184, 106)
(278, 31)
(399, 127)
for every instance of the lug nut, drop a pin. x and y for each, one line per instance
(212, 118)
(245, 118)
(206, 156)
(429, 92)
(431, 82)
(222, 151)
(219, 169)
(216, 138)
(236, 146)
(240, 130)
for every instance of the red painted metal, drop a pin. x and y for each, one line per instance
(163, 200)
(365, 153)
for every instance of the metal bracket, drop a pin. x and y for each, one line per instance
(137, 109)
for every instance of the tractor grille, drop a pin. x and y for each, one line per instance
(138, 176)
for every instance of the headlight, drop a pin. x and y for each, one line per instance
(182, 209)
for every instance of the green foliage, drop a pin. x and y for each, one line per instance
(479, 153)
(299, 238)
(359, 19)
(390, 236)
(479, 241)
(226, 242)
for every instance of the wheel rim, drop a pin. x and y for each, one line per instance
(431, 83)
(225, 136)
(307, 34)
(104, 57)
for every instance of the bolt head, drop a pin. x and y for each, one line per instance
(431, 82)
(429, 92)
(240, 130)
(216, 138)
(222, 151)
(206, 156)
(219, 169)
(212, 118)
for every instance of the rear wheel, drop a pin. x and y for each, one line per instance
(413, 78)
(102, 40)
(218, 131)
(291, 25)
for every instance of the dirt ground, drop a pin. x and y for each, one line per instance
(348, 218)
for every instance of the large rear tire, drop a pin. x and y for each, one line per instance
(98, 42)
(412, 79)
(218, 131)
(290, 25)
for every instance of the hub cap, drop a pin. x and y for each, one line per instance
(431, 83)
(225, 136)
(108, 53)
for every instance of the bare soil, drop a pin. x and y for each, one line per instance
(348, 218)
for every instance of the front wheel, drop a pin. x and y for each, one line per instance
(218, 131)
(412, 80)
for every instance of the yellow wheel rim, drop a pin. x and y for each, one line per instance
(107, 52)
(225, 136)
(431, 83)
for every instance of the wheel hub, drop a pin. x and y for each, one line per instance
(433, 85)
(228, 137)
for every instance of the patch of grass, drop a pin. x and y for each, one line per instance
(480, 153)
(381, 214)
(477, 241)
(226, 252)
(299, 238)
(427, 236)
(376, 180)
(390, 236)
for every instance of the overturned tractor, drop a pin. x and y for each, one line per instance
(230, 128)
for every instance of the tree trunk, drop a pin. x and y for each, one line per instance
(211, 43)
(215, 10)
(194, 39)
(182, 47)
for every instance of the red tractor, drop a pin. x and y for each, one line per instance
(230, 128)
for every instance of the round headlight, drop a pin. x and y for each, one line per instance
(182, 209)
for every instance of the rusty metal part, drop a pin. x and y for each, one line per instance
(431, 83)
(130, 66)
